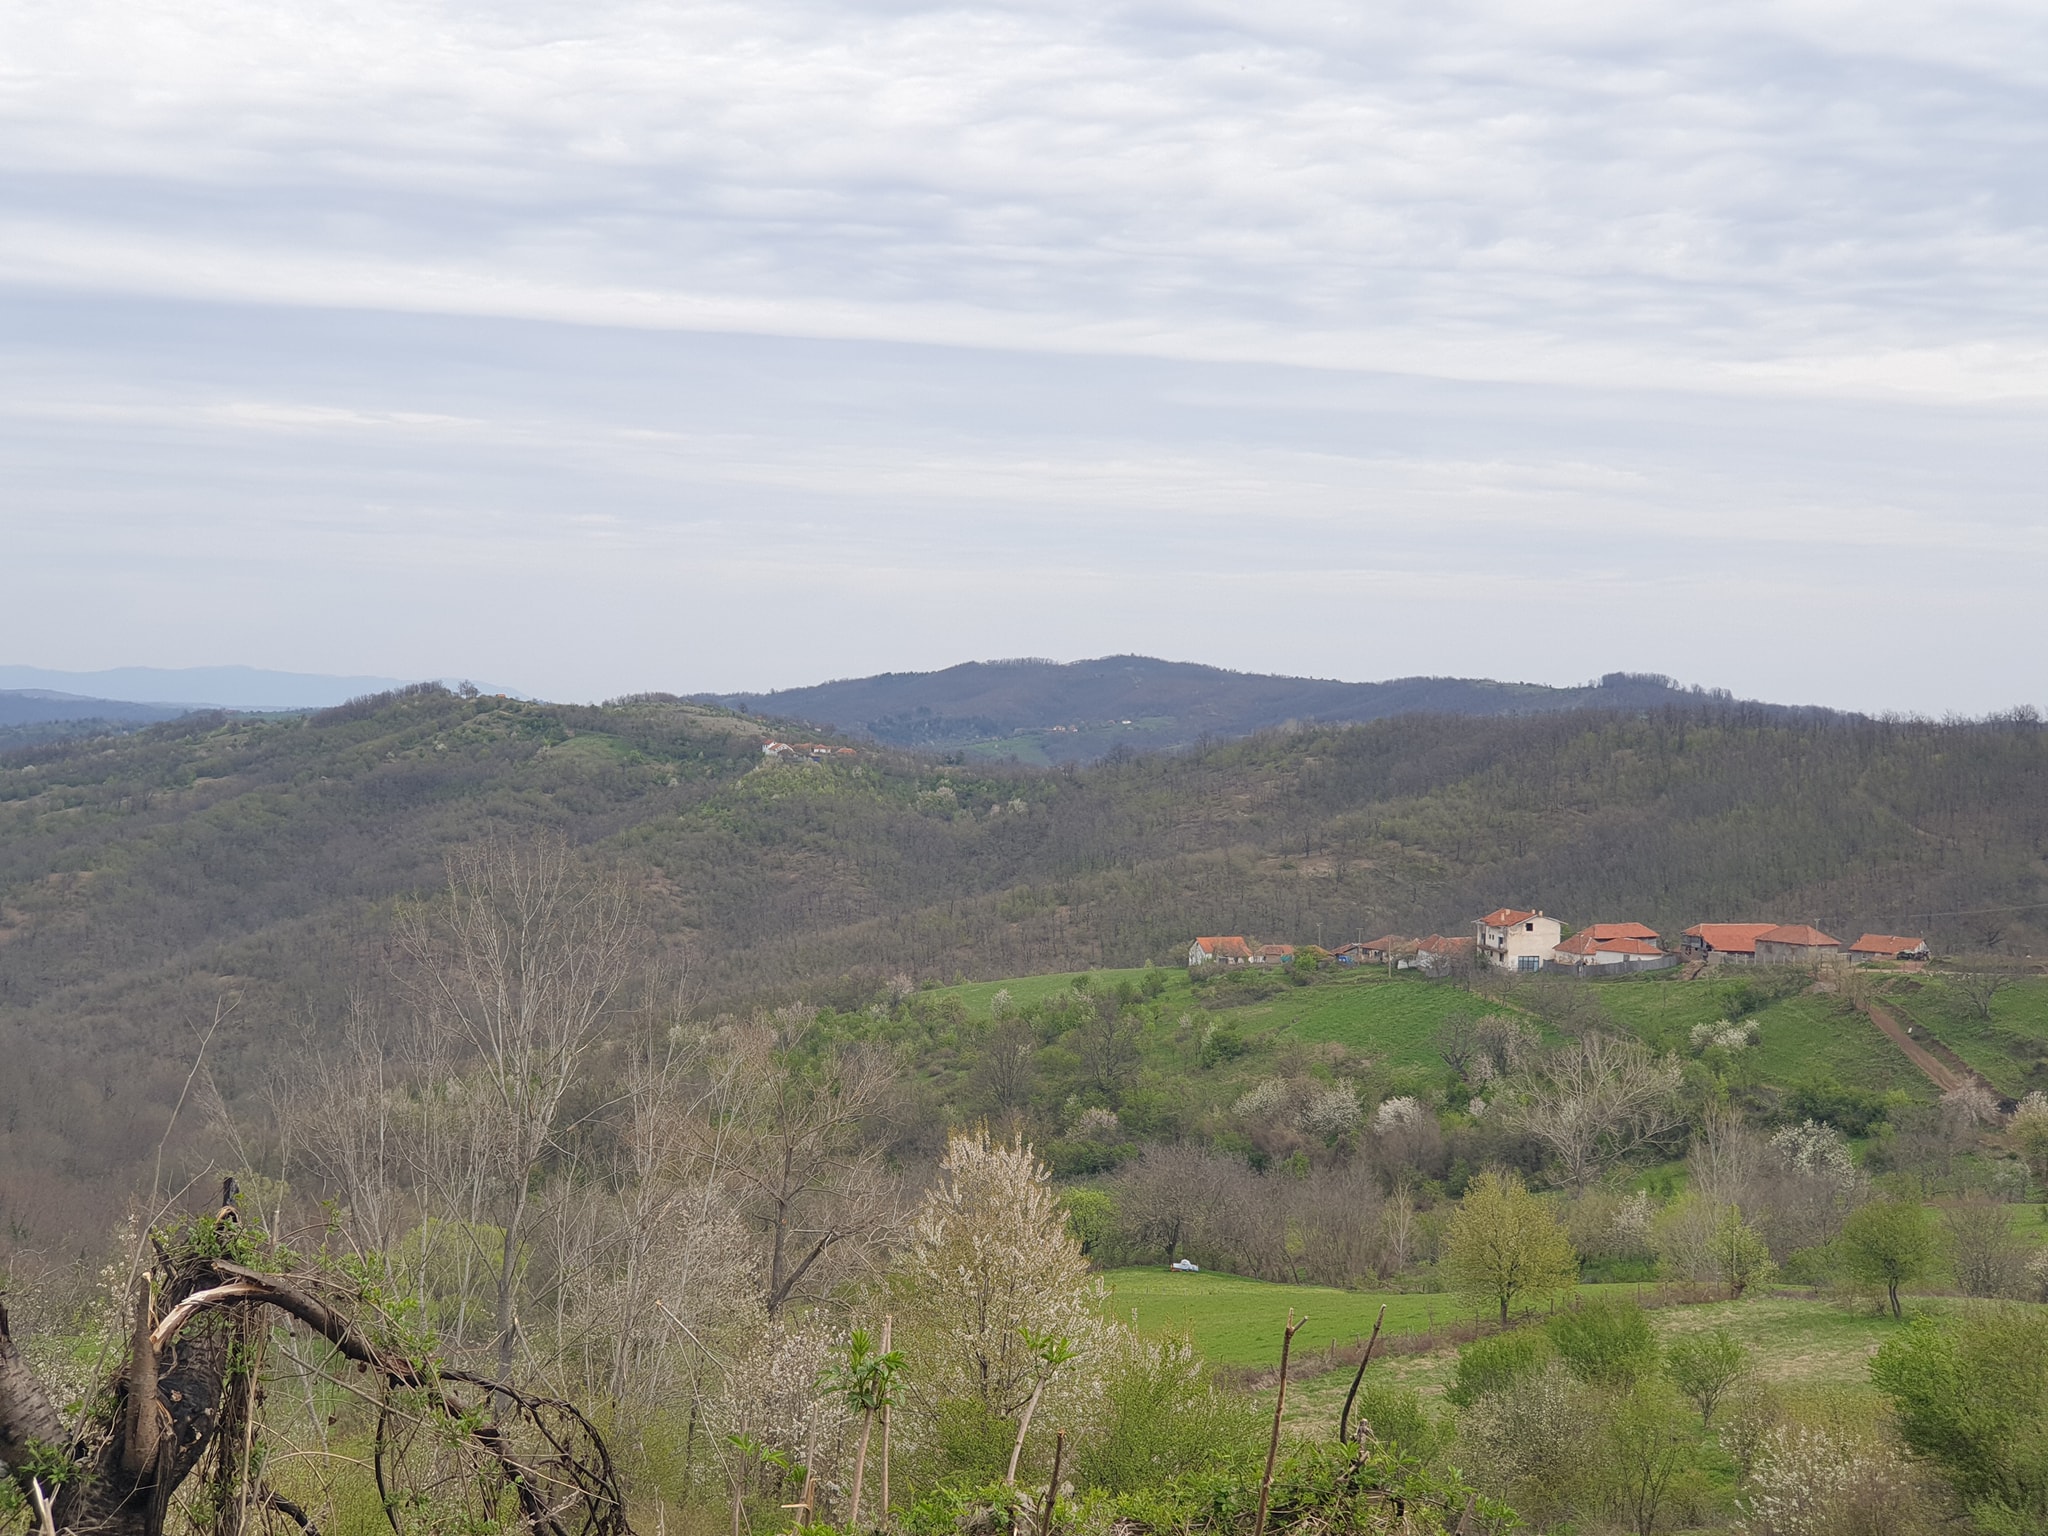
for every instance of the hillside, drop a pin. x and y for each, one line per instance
(143, 876)
(1045, 712)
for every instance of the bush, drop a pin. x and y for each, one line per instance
(1704, 1366)
(1493, 1365)
(1852, 1111)
(1399, 1420)
(1162, 1419)
(1605, 1343)
(1970, 1391)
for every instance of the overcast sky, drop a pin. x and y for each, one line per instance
(591, 347)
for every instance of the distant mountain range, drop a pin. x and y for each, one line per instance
(1048, 712)
(200, 687)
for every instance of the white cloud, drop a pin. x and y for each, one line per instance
(1335, 338)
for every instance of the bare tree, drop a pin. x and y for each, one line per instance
(1978, 988)
(521, 962)
(1596, 1101)
(789, 1125)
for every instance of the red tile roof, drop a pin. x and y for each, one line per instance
(1587, 944)
(1730, 938)
(1389, 941)
(1277, 951)
(1802, 934)
(1506, 917)
(1619, 931)
(1232, 948)
(1885, 944)
(1437, 944)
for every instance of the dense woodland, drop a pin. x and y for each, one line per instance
(143, 879)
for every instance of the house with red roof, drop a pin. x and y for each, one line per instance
(1887, 946)
(1272, 954)
(1219, 951)
(1795, 944)
(1604, 931)
(1586, 950)
(1437, 952)
(1725, 941)
(1511, 939)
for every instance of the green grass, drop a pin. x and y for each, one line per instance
(1233, 1321)
(978, 997)
(2010, 1048)
(1377, 1015)
(1820, 1035)
(1661, 1010)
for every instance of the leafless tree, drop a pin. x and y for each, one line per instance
(1596, 1101)
(1978, 987)
(791, 1125)
(520, 963)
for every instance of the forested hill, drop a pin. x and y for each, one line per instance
(1048, 712)
(142, 877)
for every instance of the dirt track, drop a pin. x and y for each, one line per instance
(1945, 1071)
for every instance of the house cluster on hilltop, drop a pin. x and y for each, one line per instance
(810, 749)
(1511, 939)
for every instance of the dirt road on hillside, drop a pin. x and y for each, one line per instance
(1945, 1071)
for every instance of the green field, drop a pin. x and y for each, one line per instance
(1814, 1035)
(1233, 1321)
(1369, 1012)
(2010, 1048)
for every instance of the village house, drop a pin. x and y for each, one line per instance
(1219, 951)
(1272, 954)
(1437, 952)
(1601, 932)
(1586, 949)
(1513, 940)
(1388, 947)
(1887, 946)
(1795, 944)
(1733, 942)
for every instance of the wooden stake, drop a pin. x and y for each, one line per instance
(1052, 1488)
(887, 1322)
(1279, 1403)
(1344, 1419)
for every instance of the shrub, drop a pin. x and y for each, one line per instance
(1852, 1111)
(1495, 1364)
(1605, 1343)
(1161, 1418)
(1537, 1444)
(1971, 1394)
(1704, 1366)
(1399, 1420)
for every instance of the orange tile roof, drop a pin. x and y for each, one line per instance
(1802, 934)
(1587, 943)
(1389, 941)
(1276, 951)
(1506, 917)
(1232, 948)
(1437, 944)
(1885, 944)
(1619, 931)
(1731, 938)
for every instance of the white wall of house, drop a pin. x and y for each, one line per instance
(1522, 947)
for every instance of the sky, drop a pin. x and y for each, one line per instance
(608, 346)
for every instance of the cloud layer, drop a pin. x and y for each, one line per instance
(1291, 334)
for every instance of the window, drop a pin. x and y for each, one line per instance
(1528, 962)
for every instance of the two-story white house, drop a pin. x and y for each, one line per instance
(1517, 941)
